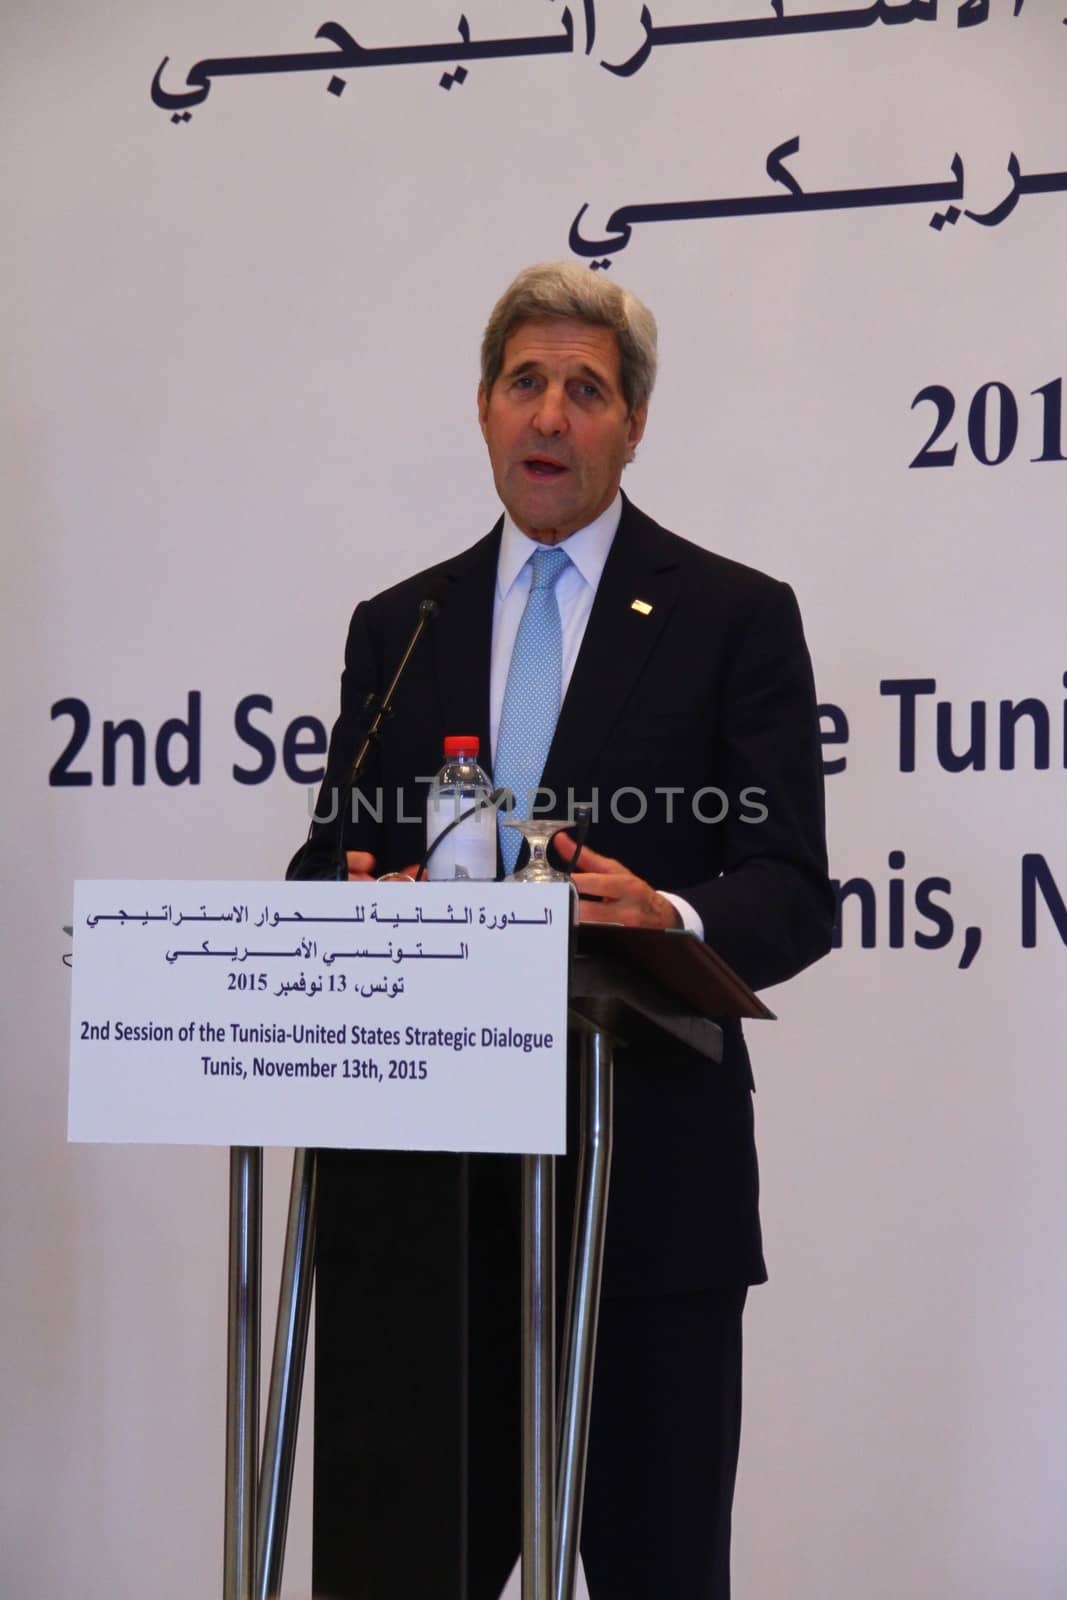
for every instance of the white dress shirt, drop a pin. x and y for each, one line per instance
(575, 592)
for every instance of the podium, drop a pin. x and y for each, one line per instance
(628, 987)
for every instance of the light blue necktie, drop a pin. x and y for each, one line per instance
(532, 695)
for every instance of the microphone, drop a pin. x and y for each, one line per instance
(428, 608)
(583, 817)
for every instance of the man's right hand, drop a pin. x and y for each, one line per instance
(361, 865)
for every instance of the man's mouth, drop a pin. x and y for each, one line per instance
(543, 467)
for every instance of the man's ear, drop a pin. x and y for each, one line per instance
(483, 407)
(635, 428)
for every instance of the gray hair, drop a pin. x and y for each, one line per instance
(563, 290)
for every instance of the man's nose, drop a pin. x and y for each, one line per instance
(551, 414)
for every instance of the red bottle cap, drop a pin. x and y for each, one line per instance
(462, 744)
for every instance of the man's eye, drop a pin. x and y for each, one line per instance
(589, 391)
(525, 380)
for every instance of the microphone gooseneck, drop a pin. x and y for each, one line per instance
(428, 608)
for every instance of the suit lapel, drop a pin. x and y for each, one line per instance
(463, 636)
(618, 641)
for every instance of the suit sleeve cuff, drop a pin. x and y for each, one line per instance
(690, 921)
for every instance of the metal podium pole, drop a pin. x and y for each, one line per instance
(242, 1372)
(286, 1375)
(538, 1377)
(583, 1301)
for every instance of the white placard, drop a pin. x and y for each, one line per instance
(372, 1016)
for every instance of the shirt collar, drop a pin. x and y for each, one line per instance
(588, 548)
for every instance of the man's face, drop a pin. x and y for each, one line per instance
(557, 427)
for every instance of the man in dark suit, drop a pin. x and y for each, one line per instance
(686, 714)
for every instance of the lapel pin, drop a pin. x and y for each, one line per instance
(642, 606)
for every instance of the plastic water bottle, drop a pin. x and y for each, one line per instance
(469, 851)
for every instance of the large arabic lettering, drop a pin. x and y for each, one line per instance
(790, 199)
(349, 55)
(795, 199)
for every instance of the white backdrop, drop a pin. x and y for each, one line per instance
(239, 395)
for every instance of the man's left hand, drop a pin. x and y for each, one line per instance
(618, 895)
